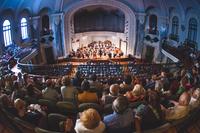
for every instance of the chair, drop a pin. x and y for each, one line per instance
(23, 125)
(51, 105)
(163, 128)
(40, 130)
(67, 108)
(53, 121)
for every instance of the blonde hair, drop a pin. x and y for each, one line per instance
(90, 118)
(138, 90)
(19, 104)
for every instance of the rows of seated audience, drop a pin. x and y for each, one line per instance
(102, 69)
(90, 106)
(46, 70)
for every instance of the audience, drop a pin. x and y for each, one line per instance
(137, 94)
(49, 92)
(181, 108)
(113, 94)
(195, 99)
(89, 122)
(68, 92)
(126, 85)
(86, 96)
(149, 115)
(162, 98)
(122, 119)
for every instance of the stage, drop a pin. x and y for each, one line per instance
(78, 61)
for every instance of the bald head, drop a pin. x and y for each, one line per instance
(114, 89)
(184, 99)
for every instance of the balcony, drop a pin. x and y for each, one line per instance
(190, 44)
(174, 37)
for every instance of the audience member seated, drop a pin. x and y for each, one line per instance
(122, 119)
(180, 110)
(77, 80)
(18, 92)
(149, 115)
(89, 122)
(195, 99)
(7, 104)
(94, 84)
(126, 85)
(49, 92)
(136, 94)
(68, 92)
(32, 94)
(86, 96)
(114, 93)
(34, 114)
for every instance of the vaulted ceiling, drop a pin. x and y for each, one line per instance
(163, 6)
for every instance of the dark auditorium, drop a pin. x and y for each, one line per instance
(99, 66)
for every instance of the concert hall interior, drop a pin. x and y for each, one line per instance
(99, 66)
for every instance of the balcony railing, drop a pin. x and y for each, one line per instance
(174, 37)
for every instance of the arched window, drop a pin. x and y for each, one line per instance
(7, 33)
(175, 25)
(45, 25)
(192, 31)
(153, 24)
(24, 28)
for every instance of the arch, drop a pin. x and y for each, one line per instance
(24, 28)
(7, 33)
(130, 21)
(175, 25)
(192, 30)
(153, 23)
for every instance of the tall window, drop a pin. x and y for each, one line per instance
(24, 28)
(153, 24)
(7, 33)
(175, 25)
(192, 31)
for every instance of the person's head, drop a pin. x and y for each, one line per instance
(93, 77)
(184, 99)
(153, 98)
(138, 90)
(194, 70)
(196, 93)
(120, 104)
(78, 74)
(65, 81)
(6, 102)
(128, 79)
(19, 104)
(114, 89)
(16, 85)
(19, 75)
(90, 118)
(85, 85)
(30, 90)
(49, 83)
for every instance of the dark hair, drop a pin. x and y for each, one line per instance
(128, 79)
(120, 104)
(93, 77)
(15, 85)
(30, 91)
(85, 85)
(153, 99)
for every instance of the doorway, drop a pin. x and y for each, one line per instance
(149, 54)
